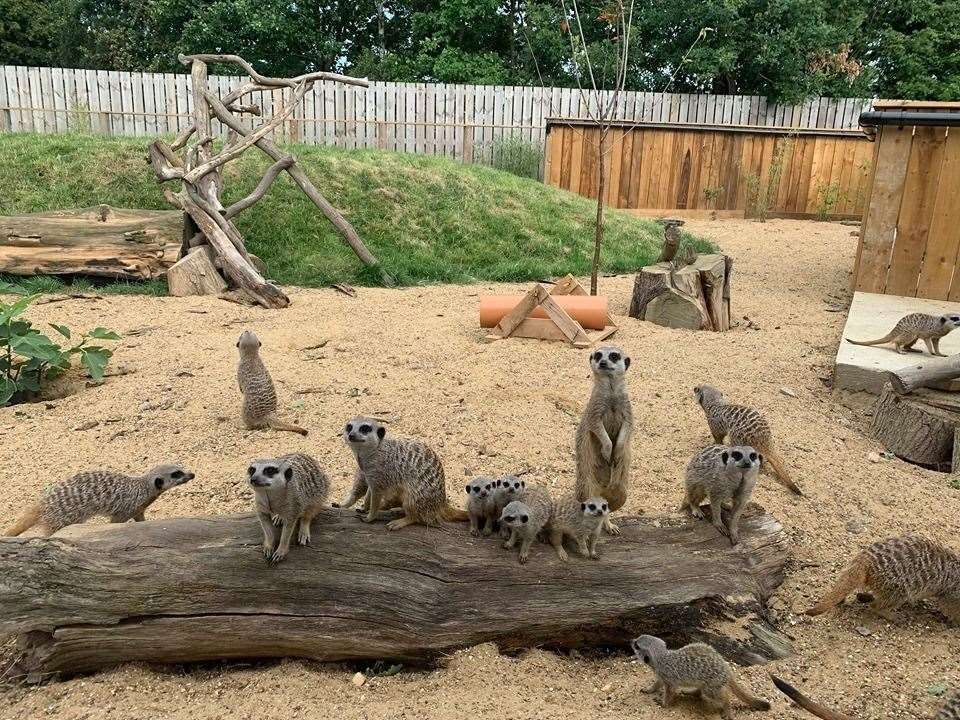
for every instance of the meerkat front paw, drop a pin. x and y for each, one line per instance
(276, 520)
(303, 536)
(593, 555)
(524, 556)
(475, 532)
(722, 529)
(612, 529)
(278, 555)
(698, 513)
(562, 554)
(267, 550)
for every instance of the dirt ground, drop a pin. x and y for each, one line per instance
(417, 355)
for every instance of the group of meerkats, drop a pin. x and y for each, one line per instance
(402, 481)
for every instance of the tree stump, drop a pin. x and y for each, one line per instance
(199, 589)
(695, 296)
(195, 274)
(919, 427)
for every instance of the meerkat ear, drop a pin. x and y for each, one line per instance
(288, 474)
(381, 431)
(943, 319)
(468, 489)
(759, 457)
(583, 506)
(158, 483)
(626, 363)
(724, 457)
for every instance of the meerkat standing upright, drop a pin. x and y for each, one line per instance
(743, 426)
(696, 666)
(259, 395)
(603, 436)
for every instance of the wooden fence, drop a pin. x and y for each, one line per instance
(729, 170)
(910, 243)
(461, 121)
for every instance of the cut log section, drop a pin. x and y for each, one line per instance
(940, 373)
(195, 274)
(361, 592)
(99, 241)
(919, 427)
(695, 297)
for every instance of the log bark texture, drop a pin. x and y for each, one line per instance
(931, 372)
(99, 241)
(919, 427)
(197, 589)
(195, 274)
(696, 296)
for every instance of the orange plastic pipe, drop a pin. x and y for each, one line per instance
(588, 310)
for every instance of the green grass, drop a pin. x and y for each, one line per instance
(427, 219)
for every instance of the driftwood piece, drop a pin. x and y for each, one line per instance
(931, 372)
(361, 592)
(99, 241)
(695, 296)
(919, 427)
(195, 274)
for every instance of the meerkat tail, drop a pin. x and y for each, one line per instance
(30, 518)
(452, 514)
(780, 471)
(854, 577)
(885, 339)
(806, 703)
(752, 702)
(276, 423)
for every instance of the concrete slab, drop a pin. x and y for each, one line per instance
(863, 369)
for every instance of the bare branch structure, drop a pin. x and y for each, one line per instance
(198, 169)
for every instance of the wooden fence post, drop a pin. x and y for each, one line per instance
(468, 143)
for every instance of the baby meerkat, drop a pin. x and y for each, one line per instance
(99, 492)
(603, 436)
(582, 521)
(917, 326)
(399, 467)
(509, 488)
(259, 409)
(695, 667)
(720, 473)
(900, 570)
(481, 505)
(291, 488)
(742, 425)
(525, 518)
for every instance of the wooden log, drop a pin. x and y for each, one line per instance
(675, 310)
(919, 427)
(716, 289)
(361, 592)
(99, 241)
(687, 282)
(932, 372)
(195, 274)
(646, 286)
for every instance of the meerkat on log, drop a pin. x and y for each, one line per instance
(525, 517)
(913, 327)
(259, 409)
(603, 436)
(481, 505)
(99, 492)
(402, 467)
(696, 667)
(581, 521)
(721, 474)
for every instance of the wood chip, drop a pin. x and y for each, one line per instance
(345, 289)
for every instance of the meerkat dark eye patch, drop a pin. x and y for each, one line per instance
(592, 506)
(365, 429)
(176, 474)
(583, 506)
(737, 455)
(381, 432)
(509, 519)
(251, 470)
(597, 356)
(271, 471)
(753, 456)
(288, 474)
(468, 489)
(524, 518)
(349, 427)
(614, 357)
(604, 507)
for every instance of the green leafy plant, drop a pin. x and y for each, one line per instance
(29, 358)
(712, 194)
(761, 198)
(828, 197)
(516, 155)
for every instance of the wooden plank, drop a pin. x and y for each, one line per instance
(5, 122)
(566, 154)
(576, 158)
(937, 277)
(624, 198)
(26, 101)
(916, 210)
(614, 162)
(58, 100)
(881, 220)
(643, 149)
(13, 99)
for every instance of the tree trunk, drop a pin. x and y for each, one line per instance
(932, 372)
(99, 241)
(199, 589)
(919, 427)
(598, 235)
(695, 297)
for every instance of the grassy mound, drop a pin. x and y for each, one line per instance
(427, 219)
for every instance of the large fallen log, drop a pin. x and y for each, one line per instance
(197, 589)
(100, 241)
(940, 373)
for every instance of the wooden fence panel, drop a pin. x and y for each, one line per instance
(943, 241)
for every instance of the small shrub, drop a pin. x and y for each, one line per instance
(712, 194)
(28, 358)
(828, 197)
(516, 155)
(761, 198)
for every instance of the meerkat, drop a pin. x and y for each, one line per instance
(603, 436)
(481, 505)
(509, 488)
(897, 571)
(525, 517)
(916, 326)
(259, 408)
(742, 425)
(950, 710)
(400, 467)
(292, 488)
(99, 492)
(391, 501)
(721, 474)
(582, 521)
(694, 667)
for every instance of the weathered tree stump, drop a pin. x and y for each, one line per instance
(197, 589)
(695, 296)
(919, 427)
(195, 274)
(99, 241)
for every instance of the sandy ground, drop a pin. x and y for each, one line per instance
(417, 355)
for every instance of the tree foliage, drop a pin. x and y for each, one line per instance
(785, 49)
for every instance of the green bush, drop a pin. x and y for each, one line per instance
(515, 155)
(28, 358)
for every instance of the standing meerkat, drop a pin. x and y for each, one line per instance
(481, 505)
(401, 467)
(582, 521)
(720, 473)
(99, 492)
(897, 571)
(603, 436)
(292, 489)
(259, 408)
(525, 517)
(742, 425)
(695, 667)
(916, 326)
